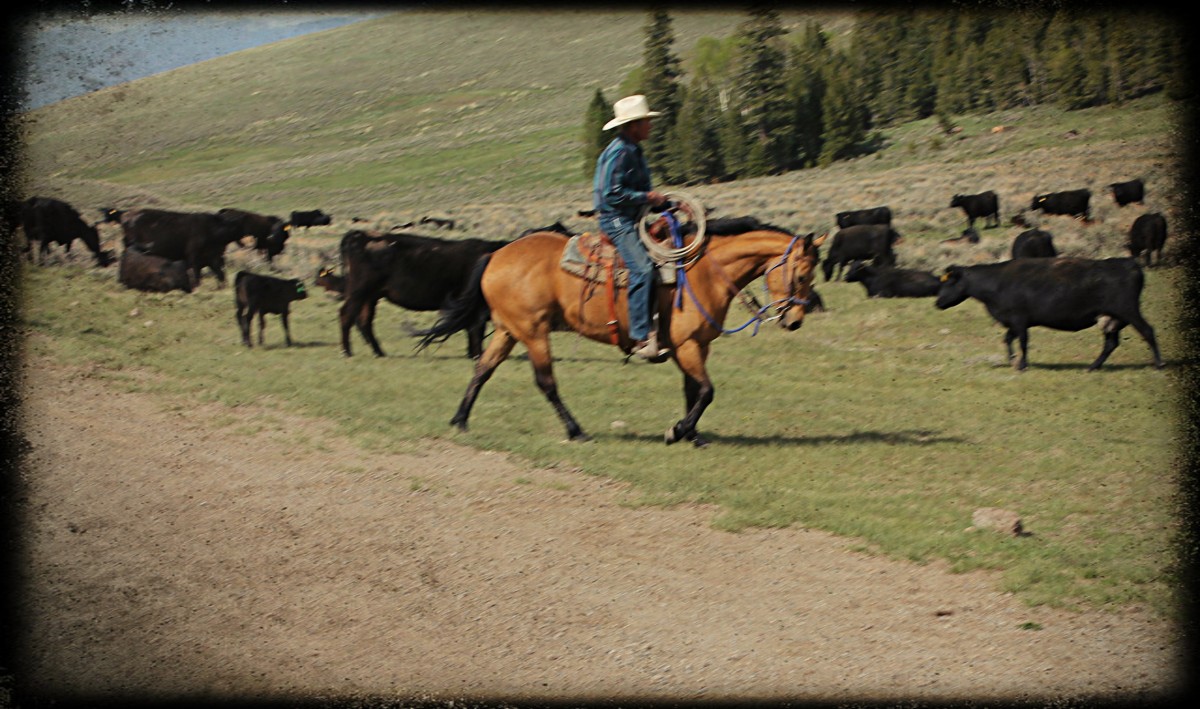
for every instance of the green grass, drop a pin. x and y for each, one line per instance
(886, 421)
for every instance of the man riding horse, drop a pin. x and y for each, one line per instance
(620, 188)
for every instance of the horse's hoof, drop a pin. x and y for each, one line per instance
(700, 442)
(671, 436)
(580, 437)
(460, 425)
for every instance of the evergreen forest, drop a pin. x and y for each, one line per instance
(769, 98)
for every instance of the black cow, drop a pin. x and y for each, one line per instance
(313, 217)
(1147, 236)
(256, 294)
(1067, 293)
(984, 204)
(415, 272)
(146, 272)
(1128, 192)
(861, 242)
(557, 227)
(331, 282)
(269, 232)
(199, 238)
(874, 215)
(729, 226)
(1034, 243)
(110, 215)
(1072, 202)
(46, 221)
(889, 282)
(438, 222)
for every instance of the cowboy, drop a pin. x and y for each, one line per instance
(620, 188)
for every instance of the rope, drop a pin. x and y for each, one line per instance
(662, 253)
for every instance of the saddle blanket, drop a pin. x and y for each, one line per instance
(590, 256)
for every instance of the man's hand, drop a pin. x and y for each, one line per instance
(656, 199)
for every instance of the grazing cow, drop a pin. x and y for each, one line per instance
(1128, 192)
(874, 215)
(46, 221)
(888, 282)
(259, 295)
(110, 215)
(1072, 202)
(313, 217)
(1069, 294)
(1034, 243)
(984, 204)
(437, 222)
(861, 242)
(269, 232)
(331, 282)
(420, 273)
(199, 238)
(815, 304)
(1147, 236)
(142, 271)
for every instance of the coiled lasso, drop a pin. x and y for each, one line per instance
(665, 251)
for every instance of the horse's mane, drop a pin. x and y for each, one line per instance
(760, 227)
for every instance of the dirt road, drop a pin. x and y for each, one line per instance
(194, 550)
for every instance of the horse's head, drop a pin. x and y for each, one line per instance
(789, 282)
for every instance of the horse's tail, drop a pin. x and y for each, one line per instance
(466, 310)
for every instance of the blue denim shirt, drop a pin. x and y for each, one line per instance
(622, 179)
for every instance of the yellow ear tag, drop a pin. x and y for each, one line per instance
(945, 277)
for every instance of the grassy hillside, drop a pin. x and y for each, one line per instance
(401, 111)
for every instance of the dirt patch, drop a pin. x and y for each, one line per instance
(197, 550)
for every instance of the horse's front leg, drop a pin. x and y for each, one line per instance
(697, 391)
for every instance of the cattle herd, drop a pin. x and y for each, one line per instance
(167, 250)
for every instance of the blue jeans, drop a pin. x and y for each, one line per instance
(623, 233)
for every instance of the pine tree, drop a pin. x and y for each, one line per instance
(844, 113)
(594, 136)
(806, 91)
(762, 97)
(697, 135)
(660, 84)
(733, 142)
(1005, 54)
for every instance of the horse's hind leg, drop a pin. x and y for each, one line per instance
(497, 351)
(543, 376)
(475, 340)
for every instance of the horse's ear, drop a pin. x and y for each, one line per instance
(817, 241)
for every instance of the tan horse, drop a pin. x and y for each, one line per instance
(529, 295)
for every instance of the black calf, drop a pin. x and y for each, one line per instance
(258, 295)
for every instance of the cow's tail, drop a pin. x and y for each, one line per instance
(466, 310)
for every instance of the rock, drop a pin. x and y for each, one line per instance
(999, 520)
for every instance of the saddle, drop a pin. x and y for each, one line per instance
(593, 257)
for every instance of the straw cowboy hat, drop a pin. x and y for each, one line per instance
(630, 108)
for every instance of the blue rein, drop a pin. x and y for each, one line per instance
(756, 318)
